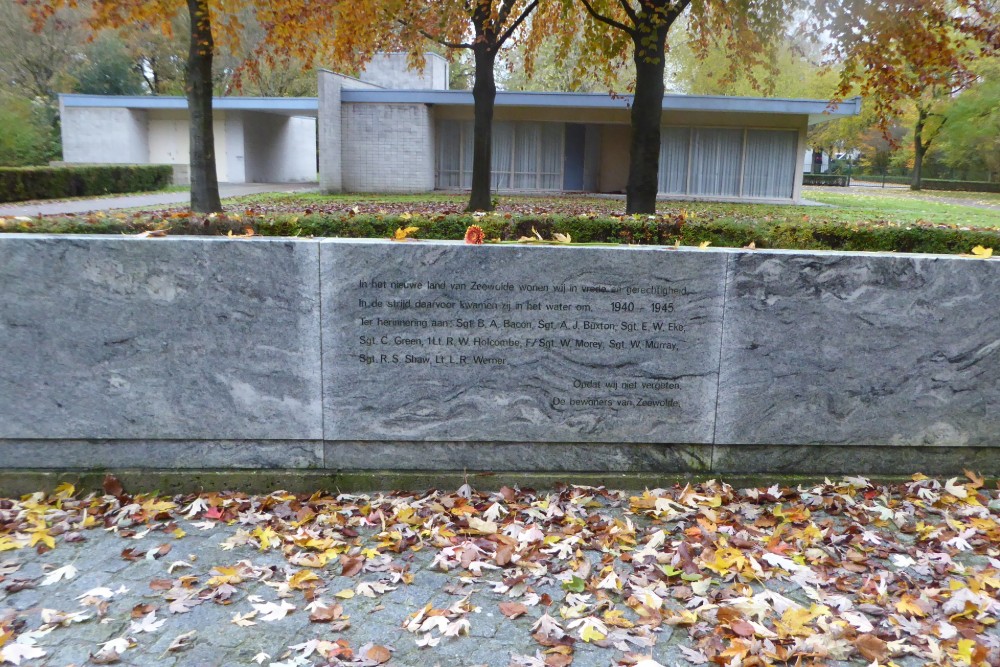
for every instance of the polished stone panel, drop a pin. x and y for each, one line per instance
(860, 349)
(126, 338)
(445, 341)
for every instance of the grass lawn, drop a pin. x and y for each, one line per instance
(967, 209)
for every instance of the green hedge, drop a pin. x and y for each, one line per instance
(824, 179)
(647, 231)
(935, 183)
(22, 183)
(644, 230)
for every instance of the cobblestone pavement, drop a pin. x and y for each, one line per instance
(843, 573)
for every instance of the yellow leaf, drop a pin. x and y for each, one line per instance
(562, 238)
(404, 233)
(795, 619)
(65, 490)
(6, 544)
(907, 605)
(964, 652)
(224, 575)
(179, 533)
(484, 527)
(590, 633)
(345, 594)
(616, 617)
(725, 559)
(156, 506)
(704, 244)
(535, 232)
(267, 537)
(41, 536)
(980, 251)
(301, 577)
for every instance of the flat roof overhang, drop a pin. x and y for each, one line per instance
(285, 106)
(817, 110)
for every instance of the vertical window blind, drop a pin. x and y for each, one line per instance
(720, 162)
(728, 162)
(769, 167)
(526, 156)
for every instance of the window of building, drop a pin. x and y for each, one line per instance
(727, 162)
(526, 155)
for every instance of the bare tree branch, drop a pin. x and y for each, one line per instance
(607, 20)
(520, 19)
(435, 38)
(627, 6)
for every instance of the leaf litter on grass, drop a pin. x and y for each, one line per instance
(840, 571)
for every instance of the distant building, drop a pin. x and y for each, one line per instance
(396, 130)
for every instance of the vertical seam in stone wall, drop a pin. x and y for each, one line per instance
(722, 347)
(322, 369)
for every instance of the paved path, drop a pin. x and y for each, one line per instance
(151, 200)
(843, 573)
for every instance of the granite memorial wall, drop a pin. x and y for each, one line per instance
(211, 353)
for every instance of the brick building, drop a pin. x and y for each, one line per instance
(395, 130)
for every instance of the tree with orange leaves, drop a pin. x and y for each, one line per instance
(893, 49)
(211, 21)
(361, 29)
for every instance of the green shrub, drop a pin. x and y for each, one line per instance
(22, 142)
(19, 184)
(641, 230)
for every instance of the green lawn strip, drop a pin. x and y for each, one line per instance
(904, 207)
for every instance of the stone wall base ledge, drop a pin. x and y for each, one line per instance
(14, 483)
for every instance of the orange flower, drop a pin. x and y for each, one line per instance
(474, 235)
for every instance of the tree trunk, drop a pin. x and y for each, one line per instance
(484, 94)
(647, 112)
(198, 86)
(918, 150)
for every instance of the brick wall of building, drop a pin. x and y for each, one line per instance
(387, 148)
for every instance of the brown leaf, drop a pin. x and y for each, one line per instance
(377, 654)
(872, 648)
(326, 614)
(130, 554)
(351, 565)
(141, 610)
(513, 609)
(112, 487)
(103, 657)
(161, 584)
(504, 553)
(162, 551)
(17, 585)
(742, 628)
(182, 641)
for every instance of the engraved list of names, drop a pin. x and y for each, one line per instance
(513, 344)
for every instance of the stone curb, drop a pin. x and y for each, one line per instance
(261, 482)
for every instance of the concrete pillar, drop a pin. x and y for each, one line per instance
(330, 146)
